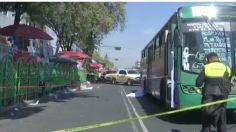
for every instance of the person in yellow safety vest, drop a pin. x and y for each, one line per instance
(216, 79)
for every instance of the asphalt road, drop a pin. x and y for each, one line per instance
(106, 102)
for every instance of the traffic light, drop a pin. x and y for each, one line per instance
(117, 48)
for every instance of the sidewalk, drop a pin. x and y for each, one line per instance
(63, 93)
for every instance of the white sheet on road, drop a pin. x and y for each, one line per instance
(86, 86)
(138, 93)
(34, 103)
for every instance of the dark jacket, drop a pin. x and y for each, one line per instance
(212, 77)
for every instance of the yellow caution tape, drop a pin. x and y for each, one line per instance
(83, 128)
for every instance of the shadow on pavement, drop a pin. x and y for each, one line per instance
(25, 110)
(231, 127)
(119, 84)
(175, 130)
(151, 106)
(21, 113)
(86, 95)
(64, 96)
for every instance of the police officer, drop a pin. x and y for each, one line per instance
(212, 76)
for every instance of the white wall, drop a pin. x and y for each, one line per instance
(6, 19)
(54, 36)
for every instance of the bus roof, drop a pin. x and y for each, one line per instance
(207, 9)
(187, 15)
(209, 4)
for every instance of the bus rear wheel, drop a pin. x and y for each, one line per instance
(144, 86)
(145, 89)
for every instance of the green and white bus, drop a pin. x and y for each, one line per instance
(171, 61)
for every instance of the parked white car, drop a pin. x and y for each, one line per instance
(128, 77)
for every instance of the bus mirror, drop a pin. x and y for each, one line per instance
(177, 40)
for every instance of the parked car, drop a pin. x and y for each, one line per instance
(108, 74)
(125, 76)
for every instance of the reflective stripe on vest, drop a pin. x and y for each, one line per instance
(216, 69)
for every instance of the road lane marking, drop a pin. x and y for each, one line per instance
(134, 127)
(115, 122)
(135, 112)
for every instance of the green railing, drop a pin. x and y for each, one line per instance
(92, 75)
(8, 85)
(20, 81)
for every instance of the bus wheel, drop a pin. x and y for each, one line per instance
(144, 86)
(163, 94)
(129, 82)
(145, 89)
(113, 81)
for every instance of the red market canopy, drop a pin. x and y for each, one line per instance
(75, 55)
(95, 66)
(22, 30)
(63, 60)
(25, 56)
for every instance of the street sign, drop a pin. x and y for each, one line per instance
(117, 48)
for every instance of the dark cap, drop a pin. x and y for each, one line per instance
(212, 54)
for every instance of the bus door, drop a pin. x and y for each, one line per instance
(169, 68)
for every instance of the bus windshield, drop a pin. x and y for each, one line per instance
(201, 38)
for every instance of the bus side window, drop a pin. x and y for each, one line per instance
(157, 47)
(177, 37)
(150, 54)
(160, 44)
(153, 50)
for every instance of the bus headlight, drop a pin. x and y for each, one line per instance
(191, 89)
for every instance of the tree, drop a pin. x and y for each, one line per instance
(86, 23)
(106, 17)
(54, 16)
(104, 61)
(74, 22)
(106, 56)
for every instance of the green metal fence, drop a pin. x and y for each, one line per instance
(8, 82)
(20, 80)
(92, 75)
(82, 75)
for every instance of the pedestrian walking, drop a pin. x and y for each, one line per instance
(215, 77)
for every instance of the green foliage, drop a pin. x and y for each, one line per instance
(104, 61)
(81, 22)
(84, 23)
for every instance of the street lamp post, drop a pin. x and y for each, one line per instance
(116, 48)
